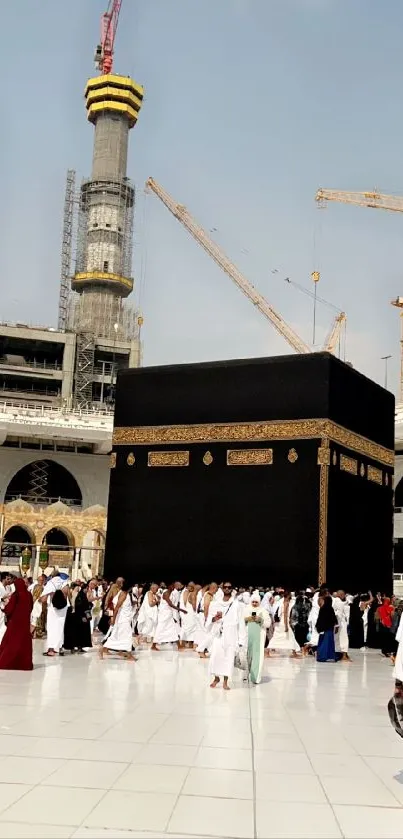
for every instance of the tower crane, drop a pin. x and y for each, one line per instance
(334, 334)
(340, 318)
(377, 201)
(109, 24)
(181, 213)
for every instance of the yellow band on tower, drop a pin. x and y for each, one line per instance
(124, 82)
(125, 110)
(85, 277)
(114, 93)
(100, 94)
(119, 107)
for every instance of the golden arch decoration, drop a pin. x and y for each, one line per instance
(37, 520)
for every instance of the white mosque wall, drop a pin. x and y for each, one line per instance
(90, 471)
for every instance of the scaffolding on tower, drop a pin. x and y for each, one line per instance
(94, 314)
(38, 481)
(109, 315)
(98, 226)
(84, 373)
(67, 245)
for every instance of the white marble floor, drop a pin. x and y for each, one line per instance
(111, 749)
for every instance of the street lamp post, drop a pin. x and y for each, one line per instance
(386, 358)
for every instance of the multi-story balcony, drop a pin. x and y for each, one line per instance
(83, 426)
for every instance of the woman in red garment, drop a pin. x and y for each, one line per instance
(16, 646)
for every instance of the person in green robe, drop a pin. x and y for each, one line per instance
(257, 622)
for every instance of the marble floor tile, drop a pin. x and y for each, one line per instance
(105, 750)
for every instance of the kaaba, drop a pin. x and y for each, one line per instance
(268, 471)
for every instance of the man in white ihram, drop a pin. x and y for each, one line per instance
(342, 611)
(56, 617)
(225, 618)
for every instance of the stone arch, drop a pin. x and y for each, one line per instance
(29, 535)
(91, 474)
(52, 478)
(99, 532)
(60, 540)
(93, 550)
(16, 536)
(64, 534)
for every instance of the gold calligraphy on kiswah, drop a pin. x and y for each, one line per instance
(250, 432)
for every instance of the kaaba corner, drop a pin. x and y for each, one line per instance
(277, 470)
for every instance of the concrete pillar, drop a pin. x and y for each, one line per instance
(69, 357)
(76, 563)
(135, 354)
(110, 147)
(35, 557)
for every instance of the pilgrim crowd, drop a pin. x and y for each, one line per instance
(233, 627)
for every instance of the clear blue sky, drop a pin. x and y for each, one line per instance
(250, 106)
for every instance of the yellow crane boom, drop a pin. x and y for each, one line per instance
(340, 319)
(375, 200)
(334, 334)
(181, 213)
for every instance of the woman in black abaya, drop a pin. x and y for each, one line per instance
(77, 633)
(82, 614)
(356, 625)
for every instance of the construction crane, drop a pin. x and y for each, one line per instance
(375, 200)
(109, 24)
(334, 334)
(340, 318)
(181, 213)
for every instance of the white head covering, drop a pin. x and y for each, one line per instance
(254, 598)
(267, 598)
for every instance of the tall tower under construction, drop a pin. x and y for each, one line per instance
(104, 253)
(102, 277)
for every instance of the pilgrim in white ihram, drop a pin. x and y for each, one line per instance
(229, 632)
